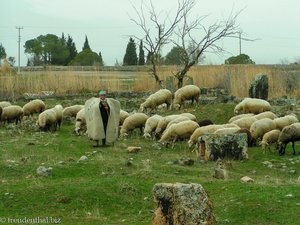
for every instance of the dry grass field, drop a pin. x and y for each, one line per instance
(284, 80)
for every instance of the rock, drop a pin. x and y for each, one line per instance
(247, 179)
(184, 161)
(133, 149)
(83, 159)
(259, 87)
(44, 171)
(182, 204)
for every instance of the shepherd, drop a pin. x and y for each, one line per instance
(102, 119)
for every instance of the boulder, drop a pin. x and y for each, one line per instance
(259, 87)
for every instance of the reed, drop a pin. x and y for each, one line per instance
(236, 79)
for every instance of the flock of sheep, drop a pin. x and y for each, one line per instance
(254, 117)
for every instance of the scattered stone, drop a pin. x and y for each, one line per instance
(44, 171)
(83, 159)
(182, 204)
(220, 173)
(247, 179)
(289, 195)
(157, 146)
(292, 172)
(184, 161)
(62, 162)
(259, 87)
(129, 162)
(133, 149)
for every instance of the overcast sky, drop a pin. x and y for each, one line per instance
(107, 24)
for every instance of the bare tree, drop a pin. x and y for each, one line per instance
(193, 37)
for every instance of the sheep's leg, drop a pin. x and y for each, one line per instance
(173, 142)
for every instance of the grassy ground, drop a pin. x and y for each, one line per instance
(115, 187)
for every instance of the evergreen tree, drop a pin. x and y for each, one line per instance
(175, 56)
(86, 44)
(130, 57)
(2, 53)
(101, 59)
(141, 54)
(72, 50)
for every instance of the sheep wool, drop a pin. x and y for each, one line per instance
(158, 98)
(252, 105)
(188, 92)
(270, 138)
(123, 116)
(71, 111)
(284, 121)
(267, 114)
(260, 127)
(182, 129)
(151, 125)
(136, 120)
(239, 117)
(245, 122)
(80, 121)
(4, 104)
(34, 106)
(12, 112)
(47, 120)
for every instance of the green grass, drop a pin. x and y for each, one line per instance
(106, 190)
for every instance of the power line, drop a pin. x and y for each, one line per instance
(19, 42)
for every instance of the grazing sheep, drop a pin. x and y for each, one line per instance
(284, 121)
(156, 99)
(12, 112)
(136, 120)
(123, 116)
(252, 105)
(288, 134)
(182, 129)
(245, 122)
(34, 106)
(71, 111)
(226, 130)
(47, 120)
(267, 114)
(260, 127)
(151, 125)
(240, 116)
(188, 92)
(177, 120)
(269, 138)
(58, 109)
(4, 104)
(162, 124)
(206, 122)
(189, 115)
(80, 122)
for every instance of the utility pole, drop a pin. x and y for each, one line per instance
(19, 43)
(240, 40)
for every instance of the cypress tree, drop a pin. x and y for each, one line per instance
(141, 54)
(72, 50)
(101, 59)
(130, 57)
(86, 44)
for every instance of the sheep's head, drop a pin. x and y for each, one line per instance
(147, 135)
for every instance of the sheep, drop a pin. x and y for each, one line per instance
(182, 129)
(206, 130)
(178, 120)
(245, 122)
(80, 122)
(240, 116)
(284, 121)
(252, 105)
(156, 99)
(151, 125)
(4, 104)
(58, 109)
(260, 127)
(136, 120)
(188, 92)
(267, 114)
(189, 115)
(12, 112)
(34, 106)
(288, 134)
(226, 130)
(71, 111)
(47, 120)
(123, 116)
(269, 138)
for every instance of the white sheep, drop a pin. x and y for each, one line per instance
(252, 105)
(269, 138)
(162, 124)
(4, 104)
(58, 109)
(288, 134)
(47, 120)
(284, 121)
(71, 111)
(12, 112)
(245, 122)
(178, 120)
(267, 114)
(151, 125)
(136, 120)
(80, 122)
(182, 129)
(260, 127)
(226, 130)
(123, 116)
(154, 100)
(34, 106)
(188, 92)
(240, 116)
